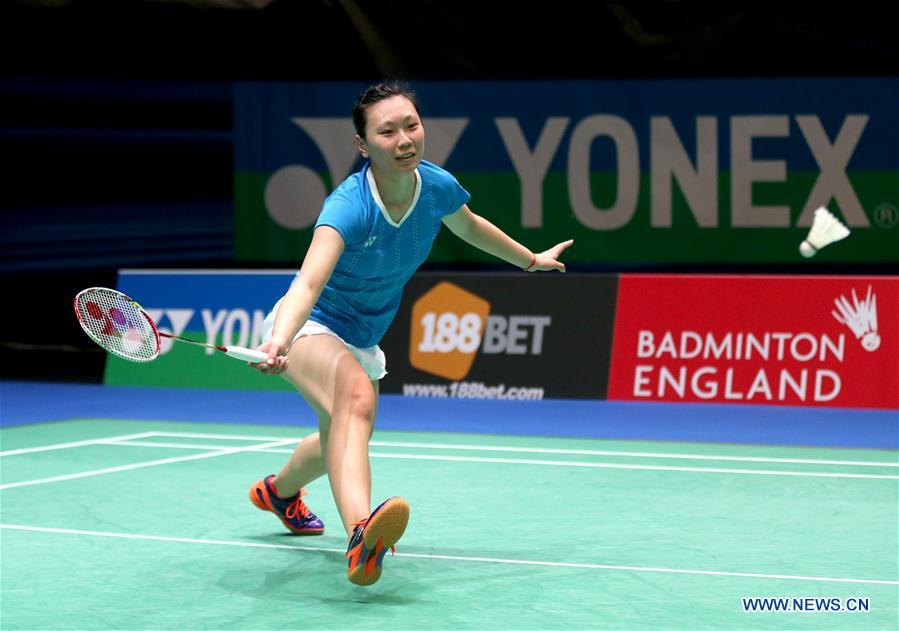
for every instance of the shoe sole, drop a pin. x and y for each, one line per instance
(380, 534)
(265, 505)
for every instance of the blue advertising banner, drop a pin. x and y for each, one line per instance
(221, 307)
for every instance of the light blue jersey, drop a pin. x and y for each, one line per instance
(363, 294)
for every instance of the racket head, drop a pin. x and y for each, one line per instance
(117, 324)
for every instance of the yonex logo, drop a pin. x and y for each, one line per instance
(370, 241)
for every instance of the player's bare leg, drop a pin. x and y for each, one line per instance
(307, 463)
(333, 381)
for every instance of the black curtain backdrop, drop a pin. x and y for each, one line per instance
(117, 116)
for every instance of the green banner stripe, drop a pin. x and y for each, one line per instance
(497, 196)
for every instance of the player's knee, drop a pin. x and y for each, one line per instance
(361, 400)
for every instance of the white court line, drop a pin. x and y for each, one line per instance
(146, 443)
(141, 465)
(546, 463)
(267, 448)
(224, 436)
(636, 454)
(539, 450)
(443, 557)
(605, 465)
(80, 443)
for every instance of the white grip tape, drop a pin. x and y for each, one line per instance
(246, 354)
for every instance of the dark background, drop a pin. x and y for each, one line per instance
(117, 115)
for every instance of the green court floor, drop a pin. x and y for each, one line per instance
(110, 524)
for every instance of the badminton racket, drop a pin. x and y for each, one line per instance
(122, 327)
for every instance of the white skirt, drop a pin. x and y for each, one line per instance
(372, 359)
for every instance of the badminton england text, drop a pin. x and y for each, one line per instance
(764, 382)
(806, 604)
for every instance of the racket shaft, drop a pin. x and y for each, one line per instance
(237, 352)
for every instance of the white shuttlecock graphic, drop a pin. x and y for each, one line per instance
(825, 230)
(860, 317)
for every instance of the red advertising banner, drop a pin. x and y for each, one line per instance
(780, 340)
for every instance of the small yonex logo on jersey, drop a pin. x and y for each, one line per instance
(860, 317)
(370, 241)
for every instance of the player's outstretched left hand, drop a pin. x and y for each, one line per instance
(549, 260)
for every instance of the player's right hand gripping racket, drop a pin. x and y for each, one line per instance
(122, 327)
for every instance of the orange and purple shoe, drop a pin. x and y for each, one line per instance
(292, 511)
(372, 537)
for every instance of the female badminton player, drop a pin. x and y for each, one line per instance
(373, 232)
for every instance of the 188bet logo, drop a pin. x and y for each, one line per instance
(450, 325)
(447, 324)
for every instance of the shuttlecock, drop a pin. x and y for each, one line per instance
(825, 230)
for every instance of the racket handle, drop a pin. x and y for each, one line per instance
(245, 354)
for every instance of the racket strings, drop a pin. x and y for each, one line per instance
(118, 324)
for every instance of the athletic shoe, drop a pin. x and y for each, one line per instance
(292, 511)
(372, 537)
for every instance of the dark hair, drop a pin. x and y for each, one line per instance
(378, 92)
